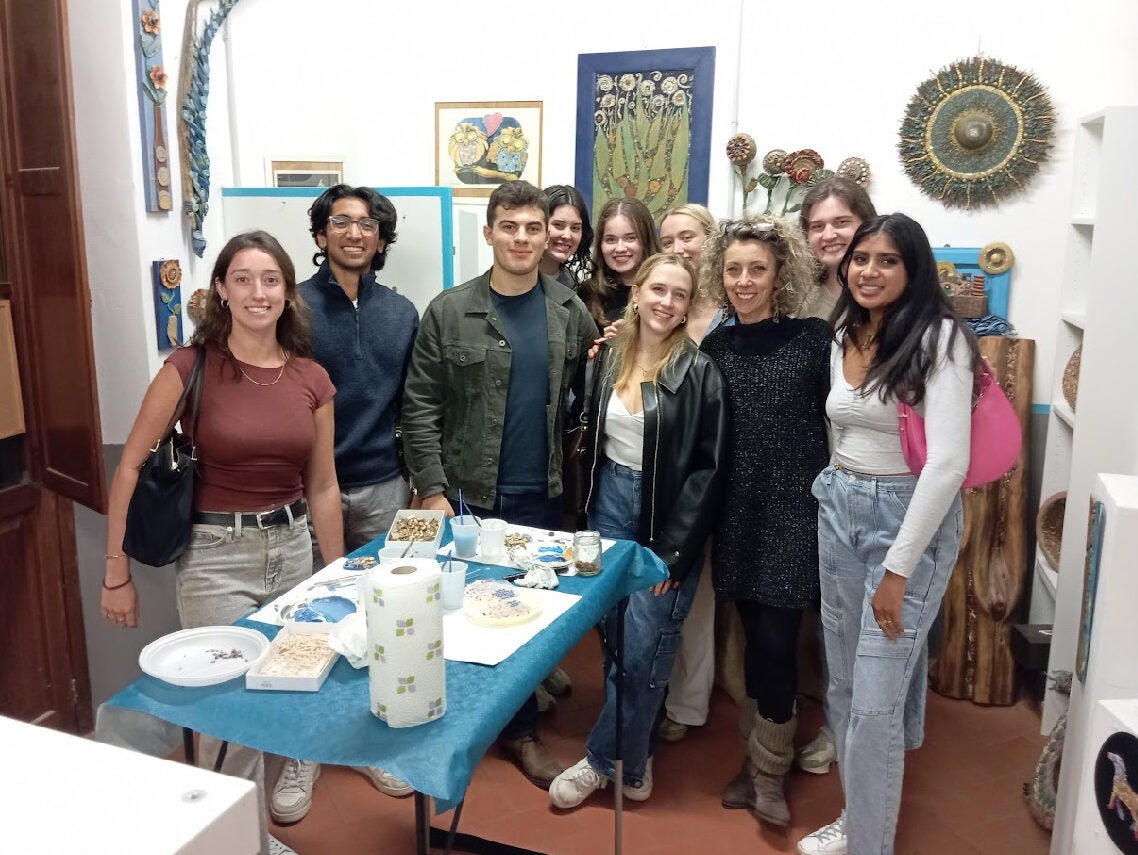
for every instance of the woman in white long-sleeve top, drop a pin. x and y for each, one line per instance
(888, 540)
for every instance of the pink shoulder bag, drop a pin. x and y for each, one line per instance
(997, 436)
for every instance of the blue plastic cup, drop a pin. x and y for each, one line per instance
(464, 530)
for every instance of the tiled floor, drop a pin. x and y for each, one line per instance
(962, 791)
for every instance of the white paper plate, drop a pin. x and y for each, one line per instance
(202, 656)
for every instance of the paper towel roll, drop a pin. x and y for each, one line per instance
(406, 670)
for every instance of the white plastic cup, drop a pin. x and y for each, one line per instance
(391, 554)
(453, 584)
(493, 538)
(464, 530)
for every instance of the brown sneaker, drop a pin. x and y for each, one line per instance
(671, 730)
(531, 756)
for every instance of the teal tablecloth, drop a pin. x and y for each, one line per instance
(336, 726)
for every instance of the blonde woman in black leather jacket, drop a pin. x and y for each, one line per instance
(656, 457)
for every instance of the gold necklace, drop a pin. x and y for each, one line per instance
(867, 344)
(280, 374)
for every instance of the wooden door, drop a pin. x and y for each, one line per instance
(43, 662)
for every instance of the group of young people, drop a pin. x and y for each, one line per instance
(743, 395)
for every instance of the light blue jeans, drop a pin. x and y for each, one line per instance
(875, 699)
(652, 633)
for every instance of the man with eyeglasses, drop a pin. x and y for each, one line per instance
(363, 332)
(485, 399)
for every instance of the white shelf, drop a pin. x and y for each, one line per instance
(1076, 319)
(1098, 308)
(1045, 574)
(1063, 412)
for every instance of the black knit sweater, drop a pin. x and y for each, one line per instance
(778, 376)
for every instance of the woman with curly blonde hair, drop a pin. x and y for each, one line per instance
(765, 560)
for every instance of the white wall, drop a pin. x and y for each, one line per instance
(122, 238)
(358, 80)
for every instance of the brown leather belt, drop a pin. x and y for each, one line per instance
(265, 519)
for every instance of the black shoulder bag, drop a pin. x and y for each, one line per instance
(574, 453)
(159, 519)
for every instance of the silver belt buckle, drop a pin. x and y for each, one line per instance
(260, 521)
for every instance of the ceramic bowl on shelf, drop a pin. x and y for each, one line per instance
(1049, 527)
(1071, 377)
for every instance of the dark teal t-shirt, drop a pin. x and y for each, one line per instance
(523, 463)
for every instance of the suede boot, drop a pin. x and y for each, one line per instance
(771, 751)
(739, 794)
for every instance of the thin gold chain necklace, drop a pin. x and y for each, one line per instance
(280, 374)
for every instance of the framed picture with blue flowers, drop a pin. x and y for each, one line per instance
(481, 144)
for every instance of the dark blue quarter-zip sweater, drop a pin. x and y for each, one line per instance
(365, 351)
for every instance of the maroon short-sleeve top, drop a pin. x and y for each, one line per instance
(254, 438)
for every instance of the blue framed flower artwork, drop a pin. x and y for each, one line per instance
(480, 145)
(644, 126)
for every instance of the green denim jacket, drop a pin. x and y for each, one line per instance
(454, 400)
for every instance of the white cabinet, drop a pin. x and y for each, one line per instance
(1099, 311)
(1111, 675)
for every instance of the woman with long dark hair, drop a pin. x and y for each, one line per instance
(660, 435)
(887, 540)
(264, 443)
(570, 236)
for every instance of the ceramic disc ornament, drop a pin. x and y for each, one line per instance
(1116, 775)
(976, 133)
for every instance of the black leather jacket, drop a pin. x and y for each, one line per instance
(686, 428)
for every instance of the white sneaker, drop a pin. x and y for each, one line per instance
(827, 840)
(576, 784)
(816, 756)
(278, 848)
(641, 793)
(292, 795)
(385, 782)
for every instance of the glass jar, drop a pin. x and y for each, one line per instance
(587, 553)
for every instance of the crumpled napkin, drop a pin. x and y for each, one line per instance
(538, 576)
(349, 638)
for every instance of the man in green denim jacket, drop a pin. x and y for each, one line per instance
(455, 399)
(484, 401)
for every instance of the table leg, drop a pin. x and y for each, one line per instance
(618, 760)
(188, 744)
(422, 823)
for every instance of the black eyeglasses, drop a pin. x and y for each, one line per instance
(747, 229)
(341, 224)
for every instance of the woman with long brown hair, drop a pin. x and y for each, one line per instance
(625, 235)
(264, 441)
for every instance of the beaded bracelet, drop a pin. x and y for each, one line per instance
(119, 585)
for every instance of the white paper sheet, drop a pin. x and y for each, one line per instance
(466, 641)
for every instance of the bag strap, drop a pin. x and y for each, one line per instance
(194, 386)
(590, 371)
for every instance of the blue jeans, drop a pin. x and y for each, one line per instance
(652, 628)
(875, 699)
